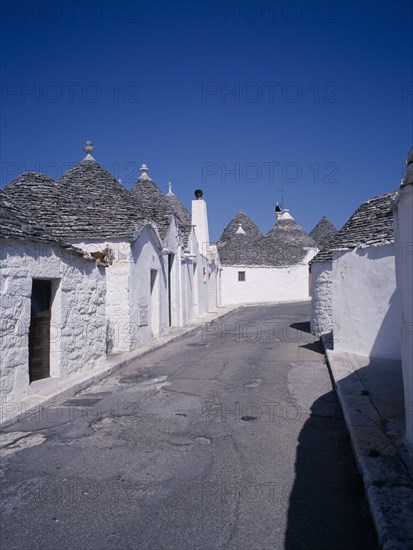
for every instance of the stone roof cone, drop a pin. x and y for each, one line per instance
(177, 206)
(286, 243)
(323, 232)
(370, 225)
(85, 202)
(238, 242)
(149, 198)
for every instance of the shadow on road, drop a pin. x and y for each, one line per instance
(325, 511)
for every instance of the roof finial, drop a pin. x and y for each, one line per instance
(170, 188)
(88, 149)
(144, 172)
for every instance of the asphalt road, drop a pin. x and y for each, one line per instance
(231, 438)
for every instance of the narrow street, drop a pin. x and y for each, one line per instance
(231, 438)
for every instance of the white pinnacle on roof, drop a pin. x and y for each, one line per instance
(170, 188)
(88, 149)
(144, 172)
(286, 215)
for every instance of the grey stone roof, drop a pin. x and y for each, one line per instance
(15, 225)
(370, 225)
(104, 207)
(182, 214)
(323, 232)
(150, 199)
(285, 244)
(247, 225)
(86, 202)
(237, 244)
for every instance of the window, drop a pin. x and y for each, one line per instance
(241, 276)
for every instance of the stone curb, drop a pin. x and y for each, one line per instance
(386, 477)
(70, 387)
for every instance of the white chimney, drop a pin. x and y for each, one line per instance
(200, 221)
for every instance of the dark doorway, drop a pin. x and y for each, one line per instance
(170, 265)
(39, 332)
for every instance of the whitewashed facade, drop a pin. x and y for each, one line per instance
(365, 305)
(78, 321)
(321, 297)
(271, 268)
(129, 269)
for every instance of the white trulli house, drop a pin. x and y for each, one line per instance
(52, 302)
(268, 268)
(354, 285)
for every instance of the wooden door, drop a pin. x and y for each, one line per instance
(39, 332)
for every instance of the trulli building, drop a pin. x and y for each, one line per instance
(354, 284)
(270, 268)
(152, 272)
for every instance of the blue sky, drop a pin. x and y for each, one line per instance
(242, 99)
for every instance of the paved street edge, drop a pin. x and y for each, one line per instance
(387, 483)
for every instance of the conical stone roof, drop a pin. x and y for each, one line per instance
(86, 202)
(178, 207)
(248, 226)
(286, 243)
(104, 207)
(150, 199)
(323, 232)
(16, 225)
(238, 242)
(370, 225)
(181, 213)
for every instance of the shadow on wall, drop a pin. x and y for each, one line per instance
(385, 343)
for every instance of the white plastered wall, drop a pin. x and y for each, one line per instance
(365, 302)
(77, 339)
(266, 283)
(321, 298)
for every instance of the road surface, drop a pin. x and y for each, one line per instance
(231, 438)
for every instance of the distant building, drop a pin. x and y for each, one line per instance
(270, 268)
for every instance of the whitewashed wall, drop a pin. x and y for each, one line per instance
(120, 331)
(212, 285)
(321, 298)
(404, 274)
(148, 312)
(365, 302)
(265, 284)
(78, 313)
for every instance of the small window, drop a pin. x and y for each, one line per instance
(241, 276)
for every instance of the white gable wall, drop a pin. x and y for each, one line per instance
(321, 298)
(78, 314)
(365, 303)
(149, 311)
(120, 330)
(264, 284)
